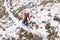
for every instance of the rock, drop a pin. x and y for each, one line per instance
(0, 26)
(3, 38)
(43, 21)
(33, 17)
(1, 35)
(37, 38)
(47, 26)
(56, 18)
(13, 38)
(8, 39)
(49, 15)
(20, 35)
(22, 30)
(33, 22)
(25, 34)
(37, 26)
(41, 9)
(3, 29)
(30, 36)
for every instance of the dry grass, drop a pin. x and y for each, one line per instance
(52, 32)
(56, 18)
(28, 36)
(45, 2)
(2, 12)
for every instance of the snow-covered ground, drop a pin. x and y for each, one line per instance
(44, 17)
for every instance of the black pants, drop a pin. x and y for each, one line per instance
(25, 21)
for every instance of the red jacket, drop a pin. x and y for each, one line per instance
(26, 16)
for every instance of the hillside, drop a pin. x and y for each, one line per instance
(44, 18)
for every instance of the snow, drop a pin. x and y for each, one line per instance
(11, 31)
